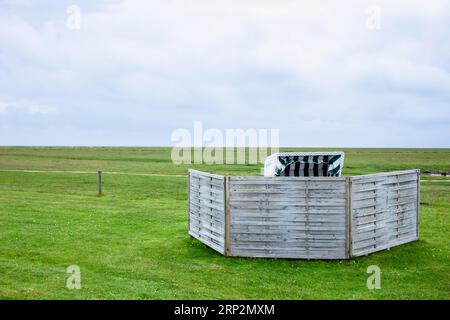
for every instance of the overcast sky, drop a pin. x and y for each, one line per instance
(324, 73)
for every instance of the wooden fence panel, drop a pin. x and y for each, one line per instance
(288, 217)
(207, 209)
(384, 210)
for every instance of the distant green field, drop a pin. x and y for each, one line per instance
(132, 242)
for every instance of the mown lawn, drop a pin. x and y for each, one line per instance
(132, 242)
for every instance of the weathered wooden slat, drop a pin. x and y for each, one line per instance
(375, 228)
(200, 209)
(383, 228)
(258, 180)
(301, 187)
(295, 215)
(245, 179)
(285, 196)
(388, 245)
(362, 212)
(384, 201)
(379, 241)
(372, 188)
(304, 248)
(276, 206)
(386, 205)
(393, 232)
(310, 211)
(217, 196)
(385, 218)
(208, 189)
(196, 173)
(380, 184)
(301, 233)
(244, 219)
(235, 228)
(210, 224)
(207, 231)
(208, 219)
(239, 242)
(207, 216)
(207, 184)
(206, 235)
(410, 191)
(299, 255)
(369, 177)
(214, 199)
(288, 224)
(292, 201)
(400, 179)
(209, 243)
(206, 181)
(293, 254)
(207, 203)
(288, 236)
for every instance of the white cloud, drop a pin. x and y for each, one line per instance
(29, 107)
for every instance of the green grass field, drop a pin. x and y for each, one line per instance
(132, 242)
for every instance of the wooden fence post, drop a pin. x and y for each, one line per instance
(348, 216)
(418, 203)
(189, 201)
(227, 212)
(99, 178)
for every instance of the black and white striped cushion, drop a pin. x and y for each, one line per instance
(309, 165)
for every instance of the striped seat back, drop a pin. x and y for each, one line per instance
(298, 164)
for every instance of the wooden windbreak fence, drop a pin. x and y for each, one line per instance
(303, 217)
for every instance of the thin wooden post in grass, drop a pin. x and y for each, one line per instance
(99, 176)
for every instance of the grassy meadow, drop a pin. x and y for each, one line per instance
(132, 242)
